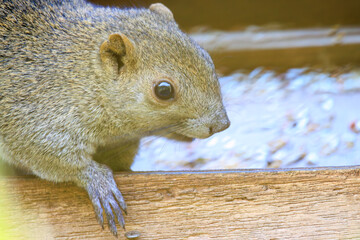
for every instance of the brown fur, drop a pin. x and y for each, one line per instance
(76, 86)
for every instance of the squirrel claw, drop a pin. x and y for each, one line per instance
(120, 200)
(98, 210)
(117, 209)
(110, 218)
(105, 195)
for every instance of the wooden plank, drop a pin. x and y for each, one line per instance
(320, 203)
(257, 40)
(280, 50)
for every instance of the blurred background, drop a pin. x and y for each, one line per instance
(290, 78)
(234, 14)
(252, 19)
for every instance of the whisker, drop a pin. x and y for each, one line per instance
(173, 128)
(160, 134)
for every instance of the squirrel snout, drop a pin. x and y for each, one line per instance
(219, 125)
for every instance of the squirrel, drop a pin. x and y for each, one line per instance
(81, 84)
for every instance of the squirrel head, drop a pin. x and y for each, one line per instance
(161, 80)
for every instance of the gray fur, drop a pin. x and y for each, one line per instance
(61, 110)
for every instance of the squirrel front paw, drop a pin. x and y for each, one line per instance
(104, 194)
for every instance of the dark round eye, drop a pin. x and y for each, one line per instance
(164, 90)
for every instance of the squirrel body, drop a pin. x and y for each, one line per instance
(80, 85)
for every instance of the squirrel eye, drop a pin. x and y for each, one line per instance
(164, 90)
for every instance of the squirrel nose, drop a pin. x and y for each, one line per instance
(219, 126)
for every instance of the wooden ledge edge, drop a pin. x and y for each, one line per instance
(252, 170)
(220, 171)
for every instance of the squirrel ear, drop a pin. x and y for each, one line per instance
(116, 52)
(161, 9)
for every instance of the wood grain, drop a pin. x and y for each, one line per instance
(319, 203)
